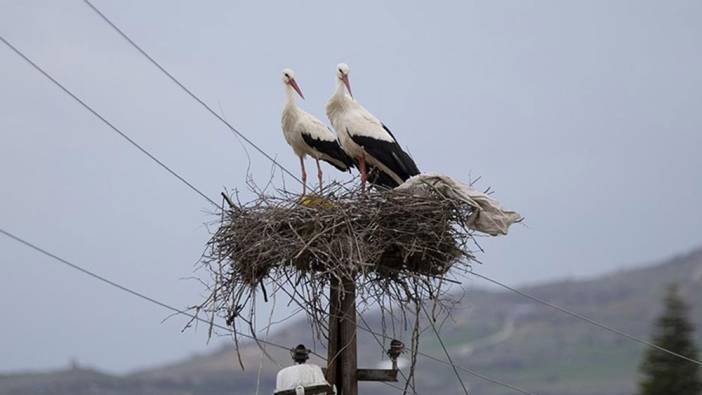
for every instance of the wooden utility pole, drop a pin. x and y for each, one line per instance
(333, 365)
(341, 350)
(347, 339)
(342, 355)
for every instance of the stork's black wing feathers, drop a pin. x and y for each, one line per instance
(333, 150)
(388, 153)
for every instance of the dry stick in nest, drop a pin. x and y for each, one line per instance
(398, 245)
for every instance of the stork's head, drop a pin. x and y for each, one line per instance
(342, 73)
(289, 80)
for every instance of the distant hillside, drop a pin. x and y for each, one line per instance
(500, 334)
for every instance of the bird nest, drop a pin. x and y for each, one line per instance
(398, 246)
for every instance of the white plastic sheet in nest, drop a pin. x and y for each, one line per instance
(487, 217)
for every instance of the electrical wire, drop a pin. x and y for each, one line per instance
(377, 340)
(366, 327)
(584, 318)
(105, 121)
(189, 92)
(134, 292)
(443, 346)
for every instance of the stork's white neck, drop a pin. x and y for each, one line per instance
(337, 104)
(338, 101)
(340, 98)
(289, 96)
(340, 88)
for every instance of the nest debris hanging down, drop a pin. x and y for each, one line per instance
(399, 246)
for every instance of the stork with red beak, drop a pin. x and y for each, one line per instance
(307, 135)
(366, 139)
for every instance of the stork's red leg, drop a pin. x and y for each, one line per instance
(319, 176)
(304, 176)
(364, 174)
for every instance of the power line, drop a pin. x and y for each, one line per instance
(145, 297)
(134, 292)
(475, 373)
(443, 346)
(105, 121)
(375, 336)
(189, 92)
(586, 319)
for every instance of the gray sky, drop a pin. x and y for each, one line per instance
(583, 116)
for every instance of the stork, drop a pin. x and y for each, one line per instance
(307, 135)
(365, 138)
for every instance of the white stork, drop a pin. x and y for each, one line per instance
(307, 135)
(366, 139)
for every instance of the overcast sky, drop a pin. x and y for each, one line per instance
(584, 116)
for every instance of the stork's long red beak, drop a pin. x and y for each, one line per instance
(345, 79)
(297, 88)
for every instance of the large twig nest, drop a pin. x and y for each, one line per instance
(343, 233)
(399, 246)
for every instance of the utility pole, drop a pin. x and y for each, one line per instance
(333, 372)
(342, 358)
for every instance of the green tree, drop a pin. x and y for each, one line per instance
(666, 374)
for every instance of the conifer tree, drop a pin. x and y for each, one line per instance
(666, 374)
